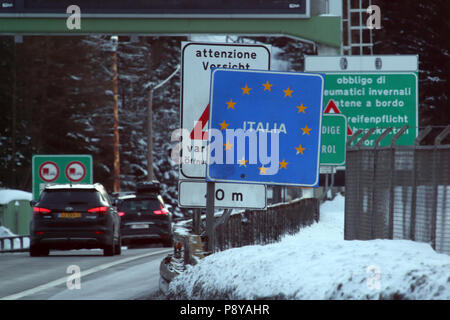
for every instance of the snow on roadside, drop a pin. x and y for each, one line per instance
(5, 232)
(317, 263)
(8, 195)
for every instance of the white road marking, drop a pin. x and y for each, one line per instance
(83, 273)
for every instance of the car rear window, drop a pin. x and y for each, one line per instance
(73, 197)
(137, 205)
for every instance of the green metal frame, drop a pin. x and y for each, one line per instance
(320, 29)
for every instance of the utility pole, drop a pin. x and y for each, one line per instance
(116, 186)
(150, 175)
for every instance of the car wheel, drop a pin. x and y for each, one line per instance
(36, 251)
(168, 243)
(108, 250)
(118, 249)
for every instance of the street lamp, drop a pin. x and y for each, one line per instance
(116, 186)
(150, 174)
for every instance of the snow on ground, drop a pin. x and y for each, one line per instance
(317, 263)
(8, 195)
(5, 232)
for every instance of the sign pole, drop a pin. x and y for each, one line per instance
(210, 188)
(197, 221)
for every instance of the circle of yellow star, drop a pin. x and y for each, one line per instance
(231, 104)
(301, 108)
(300, 149)
(283, 164)
(267, 86)
(246, 90)
(306, 130)
(228, 146)
(223, 125)
(242, 162)
(262, 170)
(288, 92)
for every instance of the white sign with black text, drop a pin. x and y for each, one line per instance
(197, 61)
(192, 194)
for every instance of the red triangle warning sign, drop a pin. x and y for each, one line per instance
(331, 106)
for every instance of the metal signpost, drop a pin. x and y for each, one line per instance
(47, 169)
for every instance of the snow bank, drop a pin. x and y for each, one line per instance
(317, 263)
(5, 232)
(8, 195)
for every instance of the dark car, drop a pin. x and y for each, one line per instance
(144, 216)
(77, 216)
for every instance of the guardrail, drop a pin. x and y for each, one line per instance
(262, 227)
(246, 227)
(12, 244)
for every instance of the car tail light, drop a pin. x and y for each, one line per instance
(162, 211)
(39, 233)
(121, 213)
(99, 232)
(100, 210)
(37, 210)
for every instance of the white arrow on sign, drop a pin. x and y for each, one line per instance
(192, 194)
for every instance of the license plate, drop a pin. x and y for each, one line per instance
(139, 226)
(69, 215)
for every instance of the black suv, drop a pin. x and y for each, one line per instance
(144, 216)
(77, 216)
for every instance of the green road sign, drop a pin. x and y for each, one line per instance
(334, 138)
(55, 169)
(375, 100)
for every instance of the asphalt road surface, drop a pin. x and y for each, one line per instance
(82, 275)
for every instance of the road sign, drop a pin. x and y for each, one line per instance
(376, 100)
(197, 61)
(265, 127)
(380, 97)
(48, 169)
(334, 138)
(192, 194)
(75, 171)
(331, 108)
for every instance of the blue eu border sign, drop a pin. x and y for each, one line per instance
(265, 127)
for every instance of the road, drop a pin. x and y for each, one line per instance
(132, 275)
